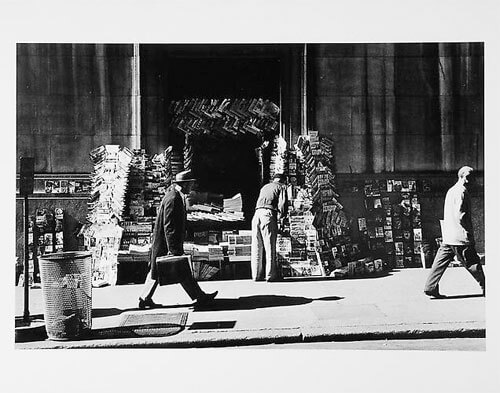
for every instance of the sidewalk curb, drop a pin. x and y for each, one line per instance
(398, 332)
(242, 338)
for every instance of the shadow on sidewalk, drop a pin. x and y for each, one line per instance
(448, 297)
(260, 301)
(109, 312)
(221, 304)
(106, 312)
(327, 278)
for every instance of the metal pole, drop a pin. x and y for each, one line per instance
(26, 262)
(136, 99)
(304, 91)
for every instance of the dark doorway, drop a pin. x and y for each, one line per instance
(175, 72)
(228, 166)
(224, 166)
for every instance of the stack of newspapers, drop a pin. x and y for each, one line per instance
(233, 204)
(205, 259)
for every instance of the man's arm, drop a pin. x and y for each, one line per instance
(465, 215)
(283, 203)
(282, 208)
(461, 209)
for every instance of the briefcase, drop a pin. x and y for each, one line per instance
(173, 269)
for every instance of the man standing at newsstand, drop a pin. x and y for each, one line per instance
(168, 239)
(271, 207)
(458, 236)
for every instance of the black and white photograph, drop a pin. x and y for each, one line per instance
(199, 189)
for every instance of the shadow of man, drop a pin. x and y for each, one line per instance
(260, 301)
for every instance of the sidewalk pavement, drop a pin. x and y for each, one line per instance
(391, 306)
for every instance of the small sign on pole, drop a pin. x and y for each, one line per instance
(27, 176)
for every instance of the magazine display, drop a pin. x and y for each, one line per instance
(392, 228)
(102, 235)
(318, 226)
(226, 117)
(149, 178)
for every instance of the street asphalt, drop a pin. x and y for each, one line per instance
(389, 306)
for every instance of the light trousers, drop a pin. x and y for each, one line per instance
(467, 256)
(264, 236)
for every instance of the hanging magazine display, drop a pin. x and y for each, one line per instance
(102, 234)
(225, 117)
(316, 239)
(392, 227)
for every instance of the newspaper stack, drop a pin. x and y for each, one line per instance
(202, 270)
(177, 164)
(212, 211)
(135, 253)
(202, 266)
(200, 252)
(304, 268)
(234, 204)
(207, 217)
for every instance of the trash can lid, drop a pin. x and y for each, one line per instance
(64, 255)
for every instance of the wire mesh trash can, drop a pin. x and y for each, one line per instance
(67, 294)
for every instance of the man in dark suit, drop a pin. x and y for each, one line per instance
(168, 239)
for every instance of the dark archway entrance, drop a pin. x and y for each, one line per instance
(228, 166)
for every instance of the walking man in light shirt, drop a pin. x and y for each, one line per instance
(458, 236)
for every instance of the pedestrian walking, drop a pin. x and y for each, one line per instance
(270, 211)
(458, 236)
(168, 239)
